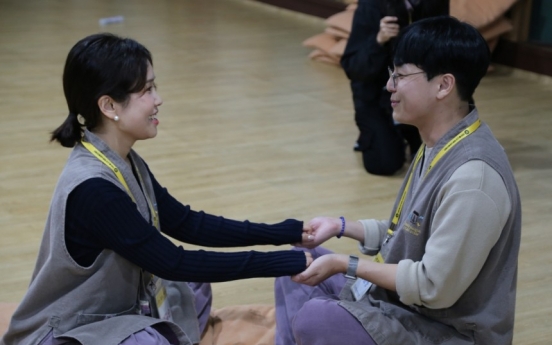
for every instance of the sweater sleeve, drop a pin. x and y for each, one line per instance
(102, 216)
(364, 58)
(186, 225)
(374, 235)
(474, 207)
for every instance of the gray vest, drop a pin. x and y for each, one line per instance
(484, 313)
(99, 304)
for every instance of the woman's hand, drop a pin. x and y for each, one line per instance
(322, 268)
(388, 29)
(309, 258)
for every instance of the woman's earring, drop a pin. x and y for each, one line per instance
(116, 118)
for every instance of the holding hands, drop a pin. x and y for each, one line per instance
(309, 258)
(316, 232)
(322, 268)
(319, 230)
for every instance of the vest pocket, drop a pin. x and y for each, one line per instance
(431, 331)
(84, 319)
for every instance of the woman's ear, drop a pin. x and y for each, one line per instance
(106, 105)
(446, 85)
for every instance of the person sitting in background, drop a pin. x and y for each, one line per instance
(105, 274)
(368, 54)
(445, 263)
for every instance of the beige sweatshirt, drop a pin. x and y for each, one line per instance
(458, 247)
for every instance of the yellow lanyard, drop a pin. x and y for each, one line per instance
(459, 137)
(90, 147)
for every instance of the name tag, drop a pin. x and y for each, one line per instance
(163, 307)
(360, 288)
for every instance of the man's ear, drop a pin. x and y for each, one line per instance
(446, 85)
(106, 105)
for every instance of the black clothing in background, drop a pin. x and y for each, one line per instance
(365, 62)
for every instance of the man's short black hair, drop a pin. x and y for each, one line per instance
(440, 45)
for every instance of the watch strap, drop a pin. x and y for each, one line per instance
(352, 267)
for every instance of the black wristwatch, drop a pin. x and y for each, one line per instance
(352, 268)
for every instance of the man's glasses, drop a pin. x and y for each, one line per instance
(394, 76)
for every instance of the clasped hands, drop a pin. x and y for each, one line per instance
(316, 232)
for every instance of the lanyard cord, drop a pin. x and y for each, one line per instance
(98, 154)
(459, 137)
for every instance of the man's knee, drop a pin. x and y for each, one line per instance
(313, 318)
(303, 326)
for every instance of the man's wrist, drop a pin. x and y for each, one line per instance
(380, 40)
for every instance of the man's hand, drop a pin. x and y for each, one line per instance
(306, 237)
(388, 29)
(322, 268)
(318, 231)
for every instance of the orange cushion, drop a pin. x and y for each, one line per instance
(323, 41)
(342, 20)
(6, 311)
(339, 48)
(318, 55)
(479, 13)
(496, 28)
(241, 324)
(338, 33)
(352, 6)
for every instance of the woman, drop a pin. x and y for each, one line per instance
(105, 274)
(376, 24)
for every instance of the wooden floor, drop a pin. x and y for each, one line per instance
(249, 129)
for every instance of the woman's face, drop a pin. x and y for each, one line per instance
(138, 117)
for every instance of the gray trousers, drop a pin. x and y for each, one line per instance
(311, 315)
(159, 335)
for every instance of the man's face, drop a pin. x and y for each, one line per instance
(412, 95)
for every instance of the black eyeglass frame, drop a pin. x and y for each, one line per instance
(394, 76)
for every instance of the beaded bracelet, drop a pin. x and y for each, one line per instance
(342, 227)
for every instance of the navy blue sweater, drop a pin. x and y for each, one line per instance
(101, 216)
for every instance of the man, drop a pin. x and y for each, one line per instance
(376, 24)
(445, 265)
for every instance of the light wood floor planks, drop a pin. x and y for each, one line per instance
(249, 129)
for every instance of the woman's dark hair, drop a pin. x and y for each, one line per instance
(100, 64)
(442, 45)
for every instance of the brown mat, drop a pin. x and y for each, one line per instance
(6, 311)
(241, 325)
(236, 325)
